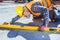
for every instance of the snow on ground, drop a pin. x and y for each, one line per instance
(54, 36)
(7, 12)
(3, 36)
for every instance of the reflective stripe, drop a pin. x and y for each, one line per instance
(42, 4)
(46, 3)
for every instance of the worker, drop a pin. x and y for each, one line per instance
(40, 9)
(29, 8)
(46, 3)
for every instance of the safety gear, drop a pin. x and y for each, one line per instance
(19, 10)
(29, 7)
(45, 12)
(45, 3)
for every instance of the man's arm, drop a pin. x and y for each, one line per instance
(26, 12)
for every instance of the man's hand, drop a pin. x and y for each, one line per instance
(51, 7)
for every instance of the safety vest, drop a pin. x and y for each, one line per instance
(45, 3)
(29, 5)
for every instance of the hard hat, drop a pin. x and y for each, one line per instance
(19, 10)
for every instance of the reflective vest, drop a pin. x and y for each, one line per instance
(29, 5)
(45, 3)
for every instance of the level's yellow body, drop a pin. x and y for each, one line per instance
(35, 28)
(52, 29)
(19, 27)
